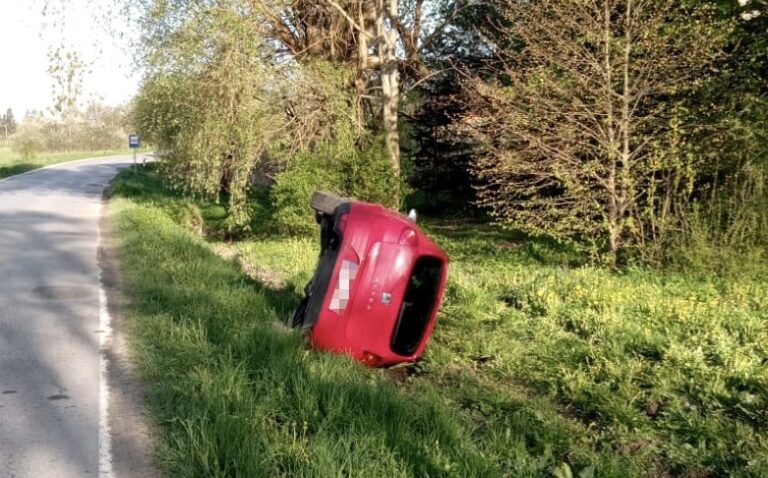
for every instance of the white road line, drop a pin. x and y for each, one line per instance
(105, 435)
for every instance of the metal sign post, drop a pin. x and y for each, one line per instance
(134, 142)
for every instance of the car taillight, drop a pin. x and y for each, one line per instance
(343, 290)
(408, 237)
(371, 359)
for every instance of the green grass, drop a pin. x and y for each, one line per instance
(12, 163)
(539, 366)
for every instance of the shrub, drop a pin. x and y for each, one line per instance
(29, 141)
(293, 190)
(365, 175)
(726, 237)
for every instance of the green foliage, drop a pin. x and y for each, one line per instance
(222, 106)
(365, 175)
(538, 367)
(95, 128)
(160, 111)
(308, 172)
(726, 237)
(608, 131)
(332, 152)
(222, 124)
(211, 104)
(29, 141)
(716, 141)
(7, 124)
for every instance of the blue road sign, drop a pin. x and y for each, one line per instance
(134, 141)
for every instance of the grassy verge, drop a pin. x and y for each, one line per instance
(12, 163)
(538, 366)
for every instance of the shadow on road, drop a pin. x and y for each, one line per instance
(49, 320)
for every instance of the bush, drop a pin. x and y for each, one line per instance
(365, 175)
(29, 141)
(726, 237)
(97, 128)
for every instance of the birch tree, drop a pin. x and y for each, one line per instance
(577, 128)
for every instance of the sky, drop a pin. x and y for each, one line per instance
(25, 42)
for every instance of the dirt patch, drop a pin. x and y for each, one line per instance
(225, 251)
(511, 246)
(132, 450)
(267, 278)
(635, 446)
(653, 407)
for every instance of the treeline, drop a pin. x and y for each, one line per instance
(633, 129)
(94, 128)
(7, 124)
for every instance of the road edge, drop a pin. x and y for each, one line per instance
(130, 443)
(92, 158)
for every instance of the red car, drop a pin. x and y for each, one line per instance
(377, 287)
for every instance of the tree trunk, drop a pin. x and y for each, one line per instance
(390, 85)
(611, 143)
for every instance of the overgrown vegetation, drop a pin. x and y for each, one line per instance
(360, 174)
(240, 119)
(315, 76)
(622, 127)
(539, 366)
(583, 140)
(96, 128)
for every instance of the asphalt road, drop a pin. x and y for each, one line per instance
(53, 323)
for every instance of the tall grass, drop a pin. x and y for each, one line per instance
(727, 236)
(539, 366)
(235, 395)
